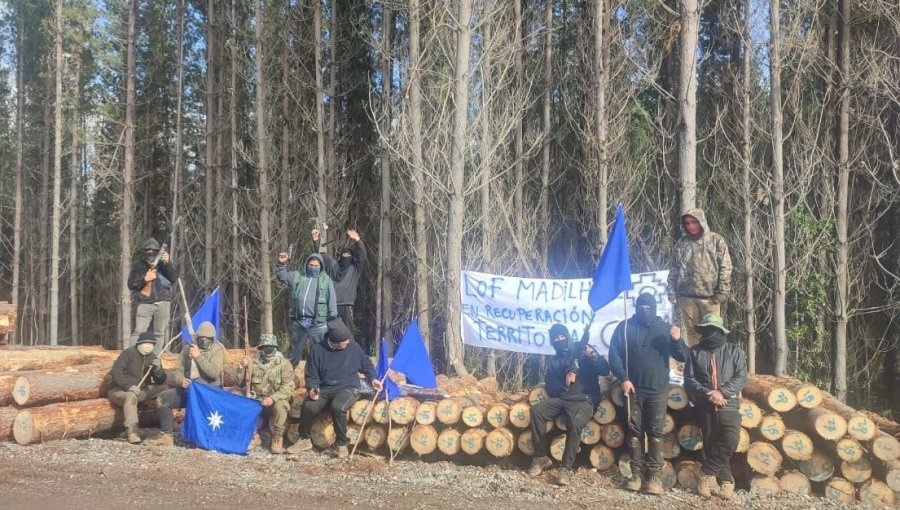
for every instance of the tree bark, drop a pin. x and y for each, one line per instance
(286, 181)
(57, 178)
(267, 325)
(842, 286)
(601, 119)
(687, 103)
(179, 130)
(455, 349)
(486, 148)
(321, 190)
(545, 139)
(235, 233)
(209, 177)
(386, 247)
(74, 206)
(779, 322)
(747, 163)
(20, 203)
(40, 388)
(68, 420)
(127, 213)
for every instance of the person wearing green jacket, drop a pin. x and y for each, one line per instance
(313, 303)
(271, 382)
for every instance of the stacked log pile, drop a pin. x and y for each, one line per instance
(794, 437)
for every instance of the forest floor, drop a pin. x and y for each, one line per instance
(112, 474)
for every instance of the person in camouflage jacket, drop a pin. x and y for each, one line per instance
(700, 274)
(272, 382)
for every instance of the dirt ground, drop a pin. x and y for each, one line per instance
(112, 474)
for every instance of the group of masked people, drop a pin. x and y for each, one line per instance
(640, 350)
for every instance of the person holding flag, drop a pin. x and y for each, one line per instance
(271, 382)
(332, 380)
(201, 363)
(574, 389)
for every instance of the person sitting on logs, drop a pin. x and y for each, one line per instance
(574, 390)
(639, 353)
(202, 363)
(272, 382)
(137, 377)
(332, 378)
(714, 376)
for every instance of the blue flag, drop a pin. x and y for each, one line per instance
(411, 358)
(209, 311)
(381, 368)
(218, 420)
(613, 273)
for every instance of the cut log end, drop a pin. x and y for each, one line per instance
(796, 445)
(426, 413)
(449, 442)
(772, 427)
(690, 437)
(500, 442)
(861, 427)
(876, 493)
(605, 413)
(472, 441)
(817, 468)
(764, 458)
(525, 443)
(857, 472)
(23, 428)
(795, 482)
(602, 457)
(751, 415)
(612, 435)
(840, 489)
(423, 439)
(765, 485)
(520, 415)
(678, 397)
(590, 434)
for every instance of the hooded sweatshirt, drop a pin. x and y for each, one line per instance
(346, 276)
(571, 358)
(161, 287)
(701, 264)
(332, 370)
(311, 298)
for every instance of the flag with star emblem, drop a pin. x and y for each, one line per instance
(218, 420)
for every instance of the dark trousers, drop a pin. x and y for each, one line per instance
(173, 398)
(338, 403)
(346, 313)
(648, 416)
(576, 415)
(721, 433)
(302, 337)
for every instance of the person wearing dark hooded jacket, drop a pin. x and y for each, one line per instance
(152, 289)
(312, 303)
(137, 377)
(714, 375)
(574, 389)
(700, 275)
(345, 272)
(639, 353)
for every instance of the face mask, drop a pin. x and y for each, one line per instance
(150, 256)
(645, 314)
(313, 272)
(204, 343)
(561, 347)
(712, 338)
(145, 348)
(345, 261)
(267, 353)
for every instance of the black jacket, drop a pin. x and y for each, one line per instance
(649, 348)
(587, 368)
(346, 279)
(731, 365)
(161, 290)
(332, 370)
(130, 367)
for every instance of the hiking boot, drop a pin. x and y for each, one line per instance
(539, 464)
(343, 452)
(705, 485)
(727, 490)
(164, 439)
(563, 477)
(254, 443)
(132, 436)
(277, 446)
(654, 485)
(633, 484)
(302, 445)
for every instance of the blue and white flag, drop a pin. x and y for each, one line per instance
(218, 420)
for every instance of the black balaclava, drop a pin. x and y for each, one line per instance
(711, 337)
(343, 261)
(561, 347)
(648, 316)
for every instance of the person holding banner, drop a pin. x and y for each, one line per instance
(574, 389)
(202, 363)
(639, 355)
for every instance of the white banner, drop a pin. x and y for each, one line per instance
(515, 314)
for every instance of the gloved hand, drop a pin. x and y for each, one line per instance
(136, 390)
(156, 364)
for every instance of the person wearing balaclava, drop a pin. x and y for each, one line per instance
(202, 362)
(333, 383)
(346, 272)
(271, 382)
(714, 375)
(573, 389)
(312, 303)
(151, 286)
(700, 274)
(137, 376)
(639, 353)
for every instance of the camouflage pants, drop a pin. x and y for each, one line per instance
(128, 401)
(692, 311)
(277, 413)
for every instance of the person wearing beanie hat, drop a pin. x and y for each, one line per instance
(312, 303)
(639, 353)
(201, 362)
(700, 275)
(137, 377)
(714, 375)
(271, 382)
(574, 389)
(332, 380)
(150, 280)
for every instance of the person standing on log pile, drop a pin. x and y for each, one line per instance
(272, 382)
(151, 281)
(714, 375)
(332, 378)
(137, 377)
(312, 303)
(574, 389)
(201, 363)
(700, 275)
(639, 355)
(345, 273)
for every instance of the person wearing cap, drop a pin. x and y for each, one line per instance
(714, 375)
(345, 272)
(137, 376)
(202, 362)
(573, 388)
(332, 380)
(700, 274)
(271, 382)
(153, 306)
(312, 303)
(639, 353)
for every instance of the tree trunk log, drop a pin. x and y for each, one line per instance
(876, 493)
(690, 437)
(473, 416)
(449, 411)
(381, 413)
(77, 383)
(688, 474)
(50, 358)
(525, 443)
(669, 424)
(857, 472)
(840, 489)
(376, 436)
(7, 419)
(795, 482)
(764, 485)
(763, 458)
(472, 441)
(827, 424)
(751, 414)
(500, 442)
(358, 411)
(403, 410)
(767, 391)
(322, 434)
(818, 468)
(449, 442)
(537, 394)
(670, 447)
(808, 395)
(520, 415)
(602, 457)
(498, 415)
(423, 439)
(426, 413)
(398, 439)
(885, 447)
(590, 434)
(888, 471)
(612, 435)
(678, 397)
(558, 446)
(743, 441)
(605, 413)
(66, 420)
(796, 445)
(772, 427)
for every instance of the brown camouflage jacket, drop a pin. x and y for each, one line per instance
(701, 266)
(274, 379)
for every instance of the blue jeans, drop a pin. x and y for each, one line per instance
(302, 339)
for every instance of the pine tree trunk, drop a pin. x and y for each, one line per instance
(600, 120)
(321, 190)
(286, 181)
(519, 184)
(265, 263)
(842, 288)
(687, 103)
(333, 38)
(235, 234)
(545, 138)
(179, 130)
(455, 349)
(486, 146)
(779, 305)
(385, 248)
(209, 177)
(41, 292)
(57, 179)
(747, 163)
(127, 213)
(20, 204)
(423, 287)
(74, 208)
